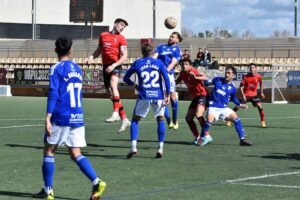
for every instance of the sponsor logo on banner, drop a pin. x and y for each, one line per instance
(293, 78)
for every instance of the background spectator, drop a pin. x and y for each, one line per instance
(214, 64)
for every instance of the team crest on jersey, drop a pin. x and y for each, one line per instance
(229, 87)
(174, 49)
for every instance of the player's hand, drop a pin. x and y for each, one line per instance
(89, 60)
(167, 100)
(262, 95)
(109, 69)
(48, 127)
(192, 74)
(243, 105)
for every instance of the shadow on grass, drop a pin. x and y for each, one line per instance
(280, 156)
(64, 151)
(27, 195)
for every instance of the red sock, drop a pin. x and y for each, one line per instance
(262, 114)
(122, 111)
(116, 103)
(193, 128)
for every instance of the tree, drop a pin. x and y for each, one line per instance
(248, 34)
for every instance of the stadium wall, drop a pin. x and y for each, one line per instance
(138, 13)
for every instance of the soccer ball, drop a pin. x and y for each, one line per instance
(170, 22)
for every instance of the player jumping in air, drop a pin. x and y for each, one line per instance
(64, 124)
(150, 93)
(194, 82)
(223, 91)
(248, 87)
(170, 55)
(113, 47)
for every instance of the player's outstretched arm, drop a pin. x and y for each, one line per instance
(173, 63)
(96, 54)
(128, 74)
(261, 89)
(201, 76)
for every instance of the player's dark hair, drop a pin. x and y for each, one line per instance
(178, 35)
(232, 68)
(147, 49)
(63, 45)
(186, 60)
(250, 64)
(118, 20)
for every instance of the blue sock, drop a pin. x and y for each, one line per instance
(174, 105)
(161, 130)
(134, 130)
(239, 128)
(167, 114)
(48, 170)
(205, 128)
(86, 167)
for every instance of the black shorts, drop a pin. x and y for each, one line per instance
(254, 100)
(198, 100)
(107, 77)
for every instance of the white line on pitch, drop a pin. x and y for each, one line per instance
(261, 177)
(21, 126)
(269, 185)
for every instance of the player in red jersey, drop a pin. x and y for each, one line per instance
(248, 87)
(194, 82)
(113, 47)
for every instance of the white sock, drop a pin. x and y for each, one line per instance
(96, 181)
(133, 145)
(48, 189)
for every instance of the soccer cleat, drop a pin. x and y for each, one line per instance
(159, 153)
(228, 123)
(131, 154)
(115, 117)
(244, 142)
(263, 124)
(176, 126)
(205, 140)
(124, 125)
(98, 190)
(43, 195)
(171, 125)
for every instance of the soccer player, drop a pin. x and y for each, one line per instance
(64, 124)
(194, 82)
(113, 47)
(170, 55)
(222, 92)
(150, 93)
(248, 87)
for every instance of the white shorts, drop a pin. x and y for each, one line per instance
(172, 83)
(66, 135)
(220, 112)
(142, 107)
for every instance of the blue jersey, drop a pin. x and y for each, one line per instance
(166, 53)
(65, 94)
(222, 93)
(149, 72)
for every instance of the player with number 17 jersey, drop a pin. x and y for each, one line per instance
(149, 71)
(65, 96)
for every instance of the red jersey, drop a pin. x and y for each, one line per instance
(196, 87)
(110, 47)
(250, 84)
